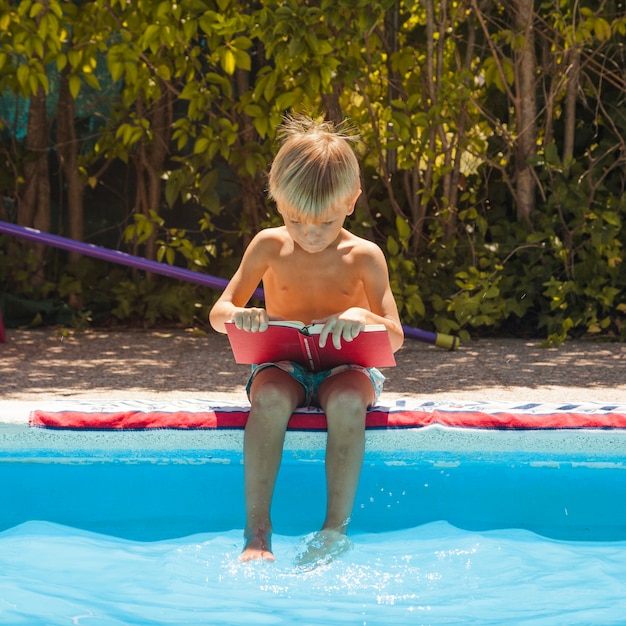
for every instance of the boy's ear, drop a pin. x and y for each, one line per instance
(352, 204)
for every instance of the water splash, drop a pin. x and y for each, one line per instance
(434, 574)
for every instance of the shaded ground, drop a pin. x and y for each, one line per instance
(44, 364)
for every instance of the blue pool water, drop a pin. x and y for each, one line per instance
(432, 574)
(151, 535)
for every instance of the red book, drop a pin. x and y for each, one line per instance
(295, 341)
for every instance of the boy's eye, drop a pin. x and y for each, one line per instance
(297, 223)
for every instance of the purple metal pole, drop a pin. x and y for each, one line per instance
(448, 342)
(115, 256)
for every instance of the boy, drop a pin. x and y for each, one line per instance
(313, 270)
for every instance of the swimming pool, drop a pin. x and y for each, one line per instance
(449, 526)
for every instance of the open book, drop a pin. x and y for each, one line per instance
(295, 341)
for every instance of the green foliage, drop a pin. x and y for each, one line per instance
(150, 302)
(108, 295)
(431, 88)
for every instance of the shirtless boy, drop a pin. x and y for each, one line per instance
(312, 270)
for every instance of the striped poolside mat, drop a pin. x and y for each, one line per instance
(206, 414)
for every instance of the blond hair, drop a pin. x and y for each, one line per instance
(315, 168)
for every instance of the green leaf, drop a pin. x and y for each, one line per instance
(551, 153)
(602, 29)
(74, 84)
(227, 61)
(75, 58)
(262, 125)
(116, 70)
(201, 145)
(23, 74)
(37, 45)
(253, 110)
(285, 100)
(243, 43)
(92, 81)
(151, 34)
(270, 87)
(35, 9)
(403, 228)
(189, 91)
(163, 71)
(612, 218)
(242, 59)
(61, 62)
(392, 246)
(43, 81)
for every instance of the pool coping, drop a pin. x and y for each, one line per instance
(19, 440)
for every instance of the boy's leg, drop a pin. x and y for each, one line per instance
(274, 395)
(344, 398)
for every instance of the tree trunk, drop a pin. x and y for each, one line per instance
(525, 109)
(456, 180)
(67, 149)
(251, 205)
(33, 201)
(392, 24)
(573, 66)
(150, 162)
(430, 100)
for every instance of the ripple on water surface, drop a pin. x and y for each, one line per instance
(432, 574)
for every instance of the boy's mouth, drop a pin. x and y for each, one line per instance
(313, 247)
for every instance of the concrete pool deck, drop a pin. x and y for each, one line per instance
(39, 366)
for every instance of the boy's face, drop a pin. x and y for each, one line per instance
(315, 235)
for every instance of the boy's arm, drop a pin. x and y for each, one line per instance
(231, 305)
(382, 305)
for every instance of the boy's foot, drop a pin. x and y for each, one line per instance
(258, 547)
(322, 547)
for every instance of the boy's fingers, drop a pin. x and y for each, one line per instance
(262, 323)
(345, 331)
(329, 327)
(337, 335)
(251, 320)
(323, 336)
(340, 331)
(258, 321)
(351, 330)
(237, 319)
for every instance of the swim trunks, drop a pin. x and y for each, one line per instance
(311, 381)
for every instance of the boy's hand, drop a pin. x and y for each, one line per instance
(252, 320)
(345, 326)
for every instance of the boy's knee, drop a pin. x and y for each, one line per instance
(347, 394)
(347, 402)
(275, 394)
(271, 396)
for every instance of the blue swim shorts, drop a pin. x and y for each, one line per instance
(311, 381)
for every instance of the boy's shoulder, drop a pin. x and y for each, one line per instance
(271, 232)
(267, 238)
(361, 244)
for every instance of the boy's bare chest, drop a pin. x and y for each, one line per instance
(329, 279)
(326, 269)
